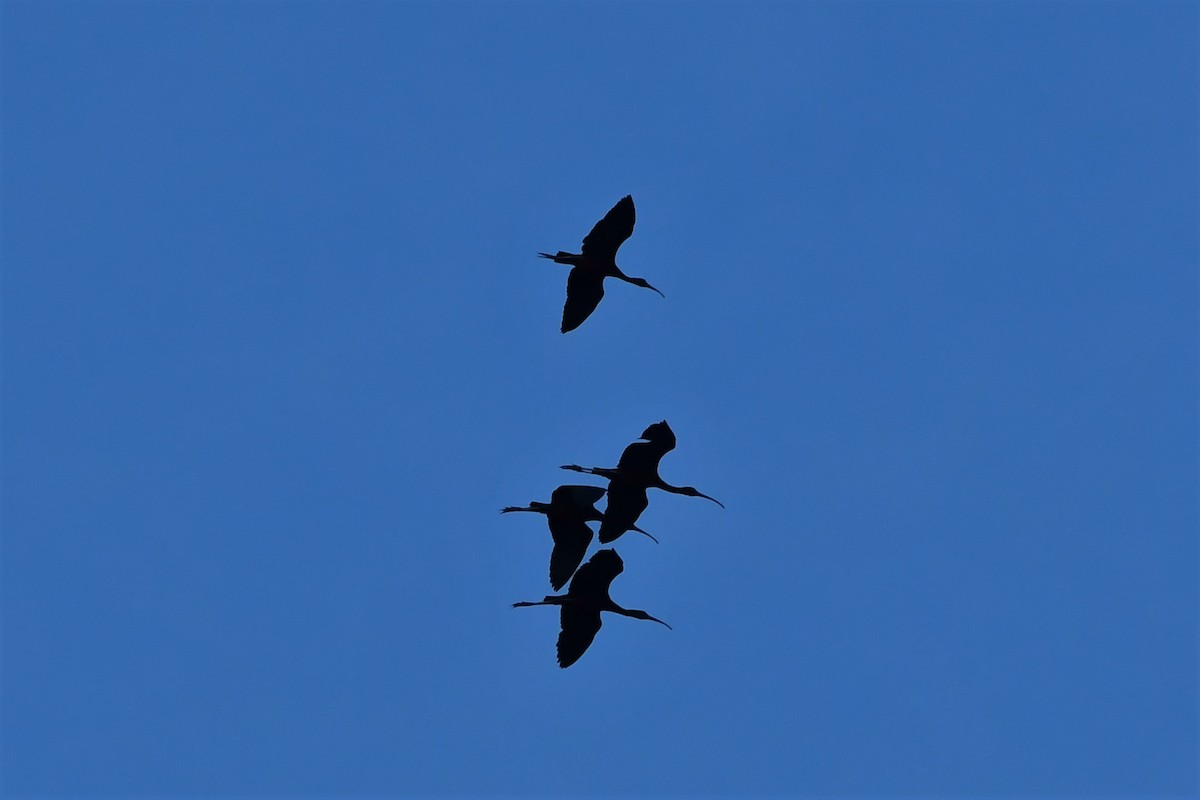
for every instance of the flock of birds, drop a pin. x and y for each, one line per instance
(572, 507)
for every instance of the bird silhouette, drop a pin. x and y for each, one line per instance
(636, 472)
(585, 283)
(580, 607)
(567, 514)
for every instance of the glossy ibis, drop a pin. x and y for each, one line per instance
(585, 283)
(636, 472)
(580, 607)
(568, 512)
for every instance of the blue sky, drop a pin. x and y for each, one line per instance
(277, 348)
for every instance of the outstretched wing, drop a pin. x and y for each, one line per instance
(660, 433)
(640, 459)
(591, 582)
(579, 627)
(585, 290)
(583, 497)
(571, 540)
(580, 615)
(626, 502)
(610, 232)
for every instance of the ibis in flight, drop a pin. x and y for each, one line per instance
(567, 514)
(580, 607)
(585, 283)
(636, 472)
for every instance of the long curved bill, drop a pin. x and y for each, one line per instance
(706, 497)
(643, 533)
(659, 621)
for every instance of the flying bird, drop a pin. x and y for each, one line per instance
(567, 514)
(636, 472)
(585, 283)
(580, 607)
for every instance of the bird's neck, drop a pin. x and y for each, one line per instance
(666, 487)
(609, 605)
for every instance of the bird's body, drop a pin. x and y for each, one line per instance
(585, 283)
(567, 514)
(635, 473)
(580, 607)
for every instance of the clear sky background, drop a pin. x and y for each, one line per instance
(277, 348)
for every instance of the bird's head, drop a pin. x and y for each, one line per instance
(637, 613)
(692, 491)
(645, 285)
